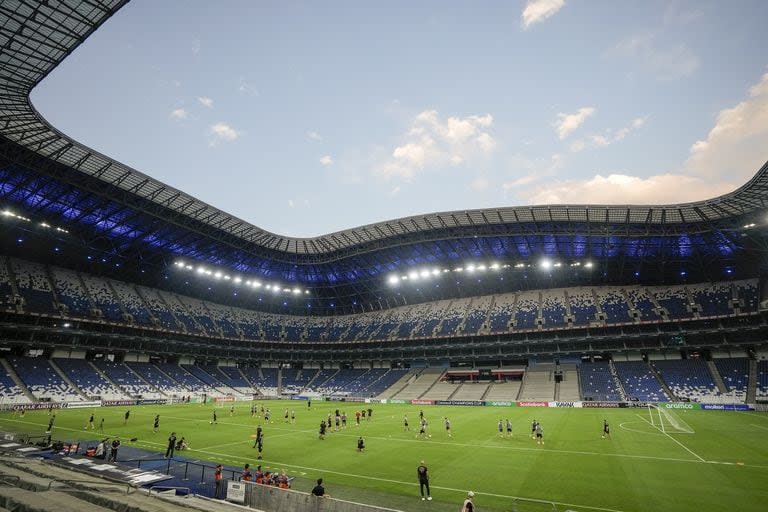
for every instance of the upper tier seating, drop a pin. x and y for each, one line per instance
(34, 286)
(688, 378)
(41, 288)
(583, 306)
(71, 292)
(639, 382)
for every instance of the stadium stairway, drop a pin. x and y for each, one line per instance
(752, 382)
(717, 377)
(108, 379)
(17, 380)
(667, 391)
(69, 381)
(617, 381)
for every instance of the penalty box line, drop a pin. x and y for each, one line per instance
(673, 439)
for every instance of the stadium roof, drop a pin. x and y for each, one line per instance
(44, 170)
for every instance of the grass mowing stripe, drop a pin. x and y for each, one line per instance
(673, 439)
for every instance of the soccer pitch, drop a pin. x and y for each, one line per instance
(720, 463)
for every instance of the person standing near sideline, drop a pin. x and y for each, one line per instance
(217, 480)
(319, 490)
(127, 415)
(469, 505)
(423, 475)
(171, 445)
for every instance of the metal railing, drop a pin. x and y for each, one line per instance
(159, 488)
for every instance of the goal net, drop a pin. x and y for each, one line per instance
(667, 421)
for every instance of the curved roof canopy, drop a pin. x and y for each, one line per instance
(43, 169)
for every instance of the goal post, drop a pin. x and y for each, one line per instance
(666, 421)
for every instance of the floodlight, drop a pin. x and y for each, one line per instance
(545, 264)
(296, 291)
(495, 266)
(481, 267)
(413, 275)
(588, 264)
(435, 272)
(257, 284)
(470, 268)
(237, 280)
(393, 280)
(200, 270)
(558, 264)
(458, 269)
(424, 273)
(519, 265)
(217, 275)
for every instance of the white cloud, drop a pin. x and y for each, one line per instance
(736, 145)
(732, 152)
(597, 140)
(291, 204)
(313, 135)
(431, 142)
(567, 123)
(667, 62)
(326, 160)
(179, 113)
(222, 131)
(624, 189)
(395, 190)
(205, 101)
(538, 10)
(535, 170)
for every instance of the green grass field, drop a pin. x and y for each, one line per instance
(722, 465)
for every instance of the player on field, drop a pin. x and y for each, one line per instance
(322, 430)
(293, 416)
(405, 423)
(343, 419)
(90, 423)
(360, 444)
(606, 430)
(260, 446)
(253, 410)
(156, 424)
(533, 428)
(448, 427)
(509, 428)
(127, 415)
(232, 411)
(285, 416)
(50, 423)
(423, 475)
(500, 426)
(214, 420)
(422, 428)
(259, 433)
(539, 434)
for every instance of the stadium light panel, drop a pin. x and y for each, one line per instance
(217, 275)
(588, 264)
(413, 275)
(393, 280)
(435, 272)
(296, 291)
(237, 280)
(545, 264)
(424, 273)
(481, 267)
(495, 266)
(470, 268)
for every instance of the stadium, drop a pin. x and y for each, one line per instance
(117, 307)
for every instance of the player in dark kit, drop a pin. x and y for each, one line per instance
(50, 423)
(509, 428)
(260, 446)
(533, 428)
(606, 430)
(156, 424)
(322, 430)
(171, 446)
(90, 423)
(360, 444)
(127, 415)
(259, 434)
(423, 475)
(214, 420)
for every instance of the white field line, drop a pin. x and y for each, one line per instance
(759, 426)
(673, 439)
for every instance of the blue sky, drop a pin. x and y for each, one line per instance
(306, 118)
